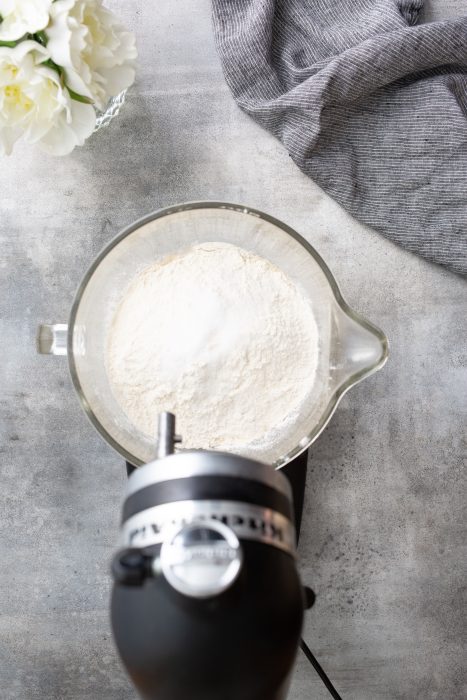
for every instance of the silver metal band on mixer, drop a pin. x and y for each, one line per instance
(203, 463)
(249, 522)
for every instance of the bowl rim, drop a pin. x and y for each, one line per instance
(337, 395)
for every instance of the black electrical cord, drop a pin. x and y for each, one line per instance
(316, 665)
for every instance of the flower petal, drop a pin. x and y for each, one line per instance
(20, 17)
(95, 50)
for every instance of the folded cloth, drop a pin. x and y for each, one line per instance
(370, 107)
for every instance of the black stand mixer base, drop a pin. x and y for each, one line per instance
(295, 471)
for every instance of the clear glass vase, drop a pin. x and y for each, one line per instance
(113, 108)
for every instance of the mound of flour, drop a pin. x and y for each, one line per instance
(218, 336)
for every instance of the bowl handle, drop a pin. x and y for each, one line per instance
(52, 339)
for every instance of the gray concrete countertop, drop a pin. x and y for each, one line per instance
(383, 538)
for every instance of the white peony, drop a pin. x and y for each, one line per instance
(34, 104)
(94, 49)
(20, 17)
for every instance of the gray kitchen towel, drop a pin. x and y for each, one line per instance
(369, 106)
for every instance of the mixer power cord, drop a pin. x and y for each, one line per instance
(319, 670)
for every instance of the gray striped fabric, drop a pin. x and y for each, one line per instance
(370, 107)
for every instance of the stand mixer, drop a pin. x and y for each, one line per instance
(207, 601)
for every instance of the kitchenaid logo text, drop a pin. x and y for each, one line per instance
(247, 521)
(267, 529)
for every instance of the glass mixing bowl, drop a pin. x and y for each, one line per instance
(350, 347)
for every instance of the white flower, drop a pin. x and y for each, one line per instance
(34, 104)
(95, 50)
(20, 17)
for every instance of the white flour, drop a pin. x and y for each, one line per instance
(218, 336)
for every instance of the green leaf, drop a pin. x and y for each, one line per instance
(12, 44)
(79, 98)
(41, 38)
(51, 64)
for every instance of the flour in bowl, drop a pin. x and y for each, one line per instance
(222, 338)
